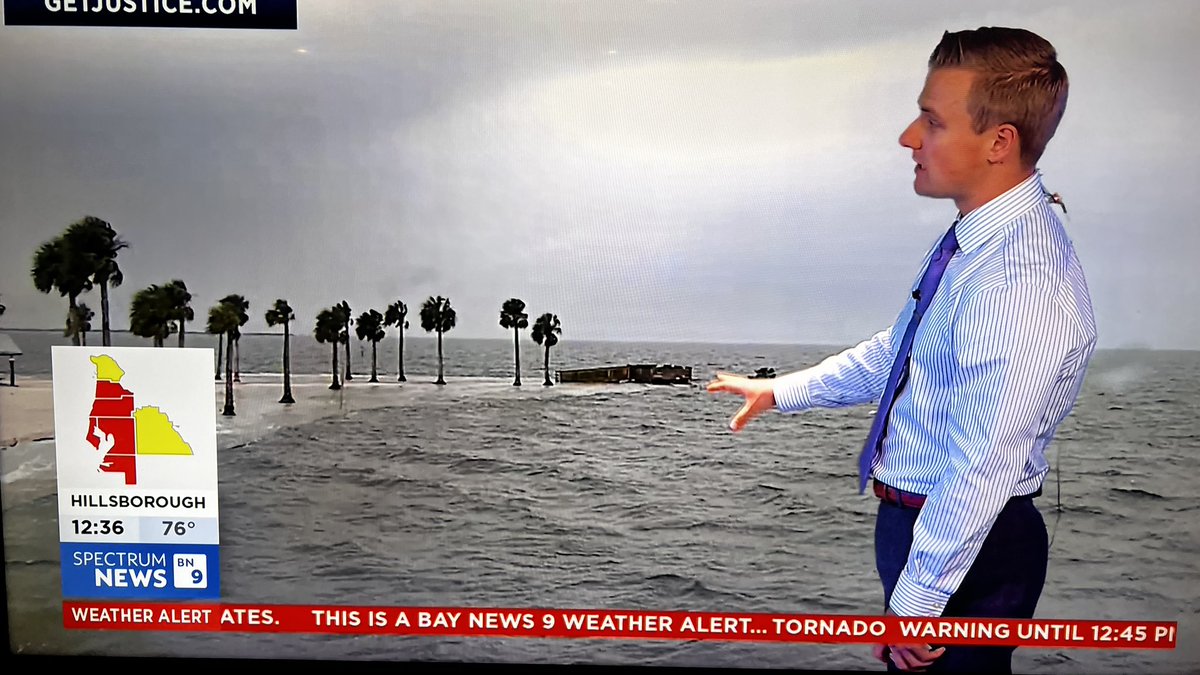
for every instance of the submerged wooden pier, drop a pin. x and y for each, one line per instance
(647, 373)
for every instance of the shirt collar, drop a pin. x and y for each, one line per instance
(981, 224)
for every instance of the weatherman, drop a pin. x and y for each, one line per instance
(983, 362)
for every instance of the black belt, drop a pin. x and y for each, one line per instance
(912, 500)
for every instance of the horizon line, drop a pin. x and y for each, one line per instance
(619, 341)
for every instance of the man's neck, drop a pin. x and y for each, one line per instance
(994, 188)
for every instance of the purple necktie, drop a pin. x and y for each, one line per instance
(899, 374)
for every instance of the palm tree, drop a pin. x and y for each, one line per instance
(98, 244)
(546, 330)
(345, 310)
(178, 302)
(282, 313)
(395, 317)
(220, 347)
(220, 358)
(58, 267)
(240, 305)
(222, 321)
(512, 315)
(438, 315)
(330, 328)
(150, 314)
(236, 335)
(370, 327)
(80, 322)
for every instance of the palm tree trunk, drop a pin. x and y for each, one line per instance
(517, 352)
(181, 322)
(105, 337)
(400, 358)
(374, 347)
(228, 411)
(440, 379)
(546, 368)
(348, 375)
(83, 337)
(71, 313)
(237, 359)
(336, 384)
(287, 367)
(220, 356)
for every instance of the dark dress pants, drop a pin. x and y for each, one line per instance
(1005, 580)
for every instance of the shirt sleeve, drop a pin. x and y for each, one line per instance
(856, 375)
(1010, 344)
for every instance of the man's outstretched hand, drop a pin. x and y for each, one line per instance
(759, 395)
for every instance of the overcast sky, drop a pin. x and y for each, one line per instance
(648, 170)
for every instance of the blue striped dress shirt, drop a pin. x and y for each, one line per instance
(996, 364)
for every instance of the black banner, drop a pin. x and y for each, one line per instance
(261, 14)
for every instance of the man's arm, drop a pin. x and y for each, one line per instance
(1010, 344)
(856, 375)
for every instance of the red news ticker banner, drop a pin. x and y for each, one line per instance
(615, 624)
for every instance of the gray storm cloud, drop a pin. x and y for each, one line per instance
(654, 170)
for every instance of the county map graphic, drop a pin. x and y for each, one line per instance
(121, 433)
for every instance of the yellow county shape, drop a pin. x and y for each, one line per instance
(156, 435)
(107, 369)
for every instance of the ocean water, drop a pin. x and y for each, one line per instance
(626, 497)
(261, 353)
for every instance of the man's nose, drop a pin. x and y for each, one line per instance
(908, 137)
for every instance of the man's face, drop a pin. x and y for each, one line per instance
(951, 158)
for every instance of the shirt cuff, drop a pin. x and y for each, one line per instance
(911, 599)
(791, 394)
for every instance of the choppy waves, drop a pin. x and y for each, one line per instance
(639, 497)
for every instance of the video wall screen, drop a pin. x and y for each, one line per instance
(387, 331)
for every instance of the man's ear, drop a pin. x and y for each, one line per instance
(1006, 145)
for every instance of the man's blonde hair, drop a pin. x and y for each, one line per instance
(1018, 81)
